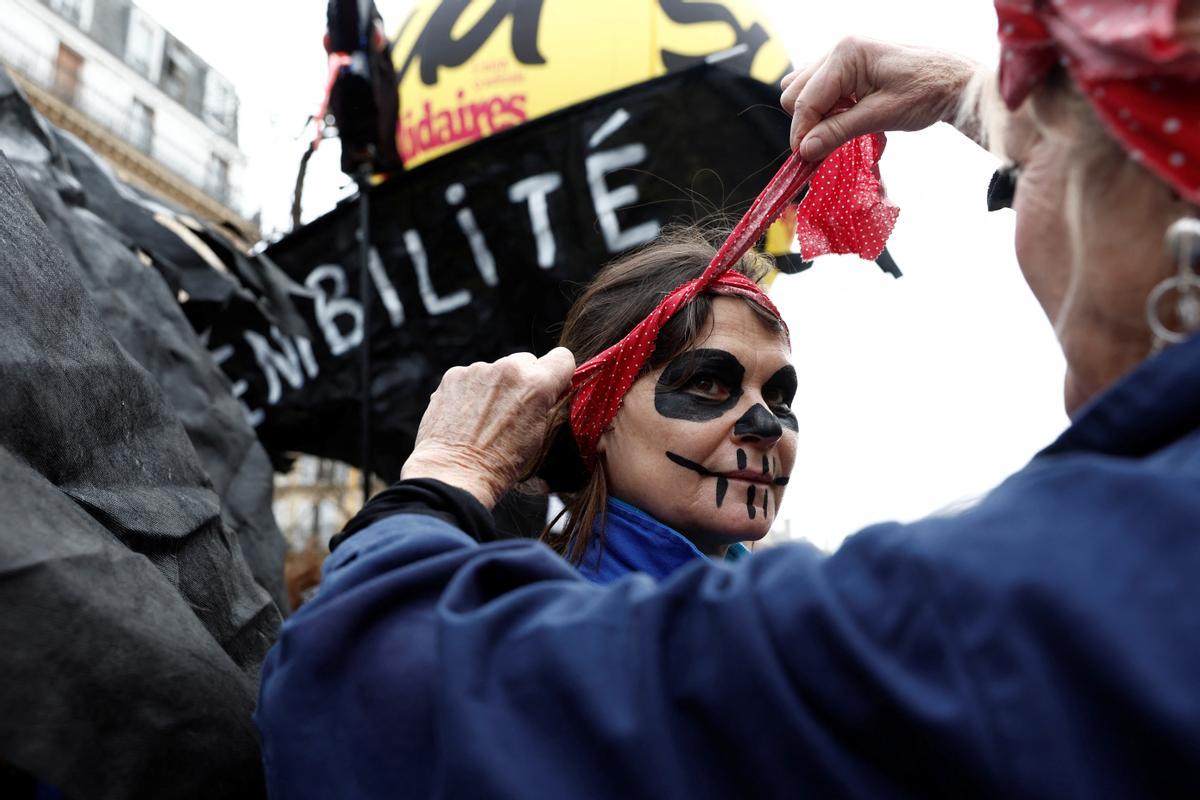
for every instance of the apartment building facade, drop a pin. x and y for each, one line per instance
(107, 72)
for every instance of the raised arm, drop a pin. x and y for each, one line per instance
(898, 89)
(432, 666)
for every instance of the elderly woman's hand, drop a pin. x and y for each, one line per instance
(486, 422)
(897, 88)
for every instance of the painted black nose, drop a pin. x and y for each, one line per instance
(758, 423)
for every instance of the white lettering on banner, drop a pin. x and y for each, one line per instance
(387, 292)
(221, 354)
(307, 357)
(291, 360)
(610, 126)
(254, 416)
(606, 200)
(330, 307)
(434, 305)
(484, 261)
(533, 190)
(274, 363)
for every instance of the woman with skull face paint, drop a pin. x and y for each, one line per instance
(697, 459)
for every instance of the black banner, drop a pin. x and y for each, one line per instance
(479, 253)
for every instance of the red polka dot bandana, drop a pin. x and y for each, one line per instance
(1128, 58)
(845, 211)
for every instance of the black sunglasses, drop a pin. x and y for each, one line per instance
(1003, 188)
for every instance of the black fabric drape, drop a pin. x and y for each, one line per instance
(132, 627)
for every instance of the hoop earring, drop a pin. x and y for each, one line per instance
(1183, 242)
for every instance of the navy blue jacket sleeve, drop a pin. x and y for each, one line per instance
(1042, 644)
(428, 663)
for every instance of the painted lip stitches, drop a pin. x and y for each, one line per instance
(750, 475)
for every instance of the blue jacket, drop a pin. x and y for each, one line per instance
(1044, 643)
(634, 541)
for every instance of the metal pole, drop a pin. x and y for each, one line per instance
(364, 292)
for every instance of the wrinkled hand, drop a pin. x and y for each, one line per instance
(897, 88)
(486, 422)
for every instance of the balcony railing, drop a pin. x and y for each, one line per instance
(123, 120)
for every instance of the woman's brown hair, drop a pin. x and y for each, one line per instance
(619, 297)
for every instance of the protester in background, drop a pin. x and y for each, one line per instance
(1043, 643)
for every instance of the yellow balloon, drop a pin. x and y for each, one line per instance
(470, 68)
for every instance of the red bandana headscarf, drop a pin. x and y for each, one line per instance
(1130, 61)
(845, 211)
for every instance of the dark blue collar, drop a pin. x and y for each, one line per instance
(1157, 403)
(634, 541)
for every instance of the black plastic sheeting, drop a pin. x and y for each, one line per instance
(101, 225)
(135, 501)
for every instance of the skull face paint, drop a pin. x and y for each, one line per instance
(699, 385)
(759, 423)
(741, 474)
(706, 443)
(779, 391)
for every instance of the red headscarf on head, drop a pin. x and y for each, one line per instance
(1128, 58)
(845, 211)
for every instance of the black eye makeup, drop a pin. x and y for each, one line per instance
(779, 391)
(703, 384)
(699, 385)
(1003, 188)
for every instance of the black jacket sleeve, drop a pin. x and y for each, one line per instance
(429, 497)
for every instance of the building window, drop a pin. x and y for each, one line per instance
(144, 45)
(78, 12)
(218, 178)
(177, 76)
(141, 126)
(67, 67)
(220, 105)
